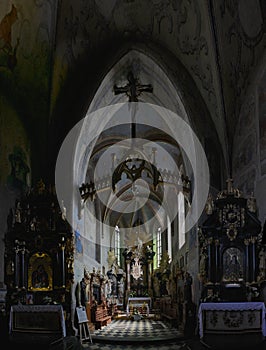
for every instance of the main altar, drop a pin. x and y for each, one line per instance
(142, 305)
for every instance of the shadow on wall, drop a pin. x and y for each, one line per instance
(17, 179)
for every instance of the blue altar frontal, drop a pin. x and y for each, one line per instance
(231, 318)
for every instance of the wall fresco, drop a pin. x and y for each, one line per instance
(262, 122)
(14, 149)
(8, 50)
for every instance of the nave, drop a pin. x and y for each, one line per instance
(132, 172)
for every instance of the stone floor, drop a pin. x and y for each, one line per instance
(145, 331)
(123, 334)
(150, 334)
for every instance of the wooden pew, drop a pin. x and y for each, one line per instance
(169, 312)
(101, 317)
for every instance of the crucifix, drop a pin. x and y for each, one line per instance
(133, 90)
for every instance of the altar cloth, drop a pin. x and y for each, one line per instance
(138, 302)
(231, 318)
(36, 323)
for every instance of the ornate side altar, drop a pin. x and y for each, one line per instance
(230, 271)
(229, 248)
(39, 250)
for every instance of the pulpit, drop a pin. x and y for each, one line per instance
(229, 243)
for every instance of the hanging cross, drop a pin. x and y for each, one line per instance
(133, 90)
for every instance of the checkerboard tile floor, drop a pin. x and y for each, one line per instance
(127, 334)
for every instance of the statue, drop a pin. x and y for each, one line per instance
(164, 263)
(180, 287)
(18, 213)
(209, 207)
(188, 287)
(262, 264)
(112, 275)
(202, 264)
(251, 204)
(10, 220)
(40, 187)
(139, 245)
(121, 290)
(85, 288)
(156, 287)
(111, 258)
(63, 215)
(108, 287)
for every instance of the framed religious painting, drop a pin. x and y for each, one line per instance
(40, 272)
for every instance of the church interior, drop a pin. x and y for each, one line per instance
(133, 174)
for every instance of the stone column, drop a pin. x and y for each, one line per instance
(210, 262)
(253, 274)
(16, 248)
(149, 276)
(23, 266)
(63, 273)
(217, 261)
(247, 242)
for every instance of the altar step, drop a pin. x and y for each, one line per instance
(234, 342)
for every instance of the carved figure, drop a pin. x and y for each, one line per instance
(202, 264)
(18, 213)
(6, 28)
(85, 288)
(209, 205)
(121, 289)
(63, 215)
(111, 258)
(188, 287)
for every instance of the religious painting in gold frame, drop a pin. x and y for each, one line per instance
(40, 272)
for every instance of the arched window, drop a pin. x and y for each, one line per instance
(181, 220)
(158, 245)
(117, 244)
